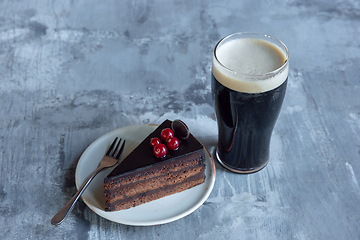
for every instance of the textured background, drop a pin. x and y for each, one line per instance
(71, 71)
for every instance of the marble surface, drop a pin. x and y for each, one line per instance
(72, 71)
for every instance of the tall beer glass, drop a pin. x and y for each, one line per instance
(249, 78)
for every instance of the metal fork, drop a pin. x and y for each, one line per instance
(110, 159)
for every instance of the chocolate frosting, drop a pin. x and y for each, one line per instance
(143, 156)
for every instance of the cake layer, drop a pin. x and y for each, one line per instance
(155, 170)
(169, 178)
(155, 194)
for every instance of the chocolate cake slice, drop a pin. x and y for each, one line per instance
(142, 177)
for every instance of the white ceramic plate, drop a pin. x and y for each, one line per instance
(160, 211)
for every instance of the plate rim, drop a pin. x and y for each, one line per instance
(209, 179)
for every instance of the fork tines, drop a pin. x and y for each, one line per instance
(116, 152)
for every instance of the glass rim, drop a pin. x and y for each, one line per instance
(257, 36)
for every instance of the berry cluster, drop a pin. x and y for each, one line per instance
(171, 141)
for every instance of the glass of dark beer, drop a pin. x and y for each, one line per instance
(249, 78)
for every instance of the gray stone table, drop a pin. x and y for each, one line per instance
(71, 71)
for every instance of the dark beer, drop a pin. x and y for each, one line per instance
(246, 121)
(247, 104)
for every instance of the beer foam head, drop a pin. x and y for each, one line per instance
(250, 65)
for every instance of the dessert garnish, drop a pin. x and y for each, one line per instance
(165, 133)
(180, 129)
(155, 141)
(160, 150)
(172, 143)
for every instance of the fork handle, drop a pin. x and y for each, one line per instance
(62, 214)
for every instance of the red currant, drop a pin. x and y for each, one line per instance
(160, 150)
(154, 141)
(172, 143)
(166, 132)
